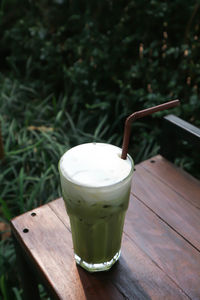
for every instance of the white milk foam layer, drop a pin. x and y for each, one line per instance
(95, 165)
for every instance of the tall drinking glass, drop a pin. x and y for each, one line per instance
(96, 186)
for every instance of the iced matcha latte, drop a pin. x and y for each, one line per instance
(96, 187)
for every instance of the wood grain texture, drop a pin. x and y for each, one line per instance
(58, 206)
(178, 259)
(48, 240)
(167, 204)
(49, 243)
(177, 179)
(136, 276)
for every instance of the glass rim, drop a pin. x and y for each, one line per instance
(98, 187)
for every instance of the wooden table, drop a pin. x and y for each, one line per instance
(160, 249)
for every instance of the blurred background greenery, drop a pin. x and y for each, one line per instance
(70, 72)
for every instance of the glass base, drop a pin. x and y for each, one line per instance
(97, 267)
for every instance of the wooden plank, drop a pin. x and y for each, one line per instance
(29, 282)
(58, 206)
(175, 256)
(175, 130)
(180, 181)
(167, 204)
(183, 130)
(49, 243)
(136, 276)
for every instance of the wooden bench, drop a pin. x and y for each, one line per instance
(160, 256)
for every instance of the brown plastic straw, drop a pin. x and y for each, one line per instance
(140, 114)
(1, 146)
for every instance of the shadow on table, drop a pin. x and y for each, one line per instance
(117, 283)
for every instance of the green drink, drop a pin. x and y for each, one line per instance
(96, 188)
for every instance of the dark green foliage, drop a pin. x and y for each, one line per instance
(71, 71)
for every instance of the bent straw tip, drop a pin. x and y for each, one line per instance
(140, 114)
(176, 102)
